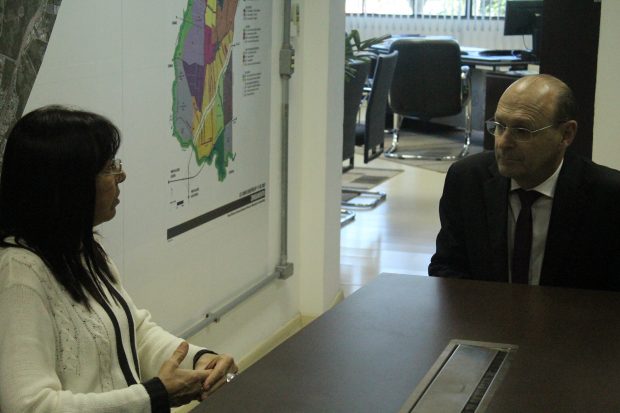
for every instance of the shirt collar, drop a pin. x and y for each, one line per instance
(547, 187)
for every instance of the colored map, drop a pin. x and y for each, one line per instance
(25, 28)
(202, 90)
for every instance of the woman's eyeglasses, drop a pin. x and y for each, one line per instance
(114, 168)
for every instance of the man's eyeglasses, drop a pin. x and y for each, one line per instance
(518, 134)
(114, 168)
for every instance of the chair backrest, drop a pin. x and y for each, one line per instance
(427, 78)
(353, 89)
(377, 102)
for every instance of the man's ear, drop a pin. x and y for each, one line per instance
(569, 131)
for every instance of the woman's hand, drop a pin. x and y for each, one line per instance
(182, 385)
(216, 366)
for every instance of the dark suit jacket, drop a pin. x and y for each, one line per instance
(583, 241)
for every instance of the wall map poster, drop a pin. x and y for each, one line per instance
(220, 56)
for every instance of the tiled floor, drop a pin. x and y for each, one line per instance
(399, 235)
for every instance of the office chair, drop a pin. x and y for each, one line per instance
(353, 90)
(429, 82)
(371, 134)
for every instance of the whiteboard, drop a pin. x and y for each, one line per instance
(192, 227)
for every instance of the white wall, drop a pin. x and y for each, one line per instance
(254, 321)
(315, 150)
(315, 153)
(606, 142)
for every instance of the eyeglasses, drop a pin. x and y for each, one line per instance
(114, 168)
(518, 134)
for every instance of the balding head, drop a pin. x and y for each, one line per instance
(548, 89)
(544, 107)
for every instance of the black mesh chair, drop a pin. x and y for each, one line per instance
(353, 90)
(429, 82)
(371, 134)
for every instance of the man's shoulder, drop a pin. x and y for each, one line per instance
(473, 164)
(595, 174)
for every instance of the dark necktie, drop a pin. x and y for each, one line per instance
(522, 247)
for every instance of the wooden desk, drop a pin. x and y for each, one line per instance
(369, 352)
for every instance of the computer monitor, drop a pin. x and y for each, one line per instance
(525, 17)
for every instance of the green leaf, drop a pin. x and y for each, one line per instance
(357, 49)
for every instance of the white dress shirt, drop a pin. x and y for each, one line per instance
(541, 212)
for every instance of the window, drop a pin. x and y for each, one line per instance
(488, 8)
(388, 7)
(444, 8)
(393, 7)
(354, 6)
(440, 7)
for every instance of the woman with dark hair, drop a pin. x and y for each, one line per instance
(71, 337)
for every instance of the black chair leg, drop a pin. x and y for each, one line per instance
(430, 154)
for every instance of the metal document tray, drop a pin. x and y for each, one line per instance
(462, 379)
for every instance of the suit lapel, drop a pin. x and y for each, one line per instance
(568, 201)
(496, 205)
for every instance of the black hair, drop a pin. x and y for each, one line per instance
(47, 193)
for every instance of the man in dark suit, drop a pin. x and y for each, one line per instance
(574, 223)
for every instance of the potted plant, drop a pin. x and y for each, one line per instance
(356, 49)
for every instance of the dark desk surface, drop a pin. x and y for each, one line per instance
(470, 56)
(369, 352)
(474, 58)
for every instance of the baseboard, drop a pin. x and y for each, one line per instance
(286, 331)
(307, 319)
(337, 299)
(293, 326)
(259, 352)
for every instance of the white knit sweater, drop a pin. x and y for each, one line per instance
(56, 356)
